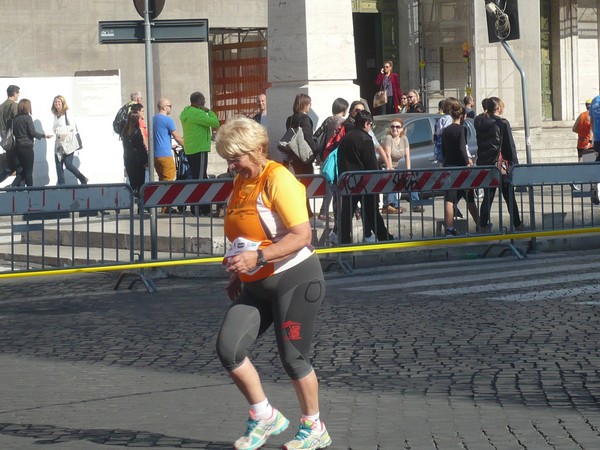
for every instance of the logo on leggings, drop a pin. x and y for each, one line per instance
(292, 330)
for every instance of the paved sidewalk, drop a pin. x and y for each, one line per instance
(83, 366)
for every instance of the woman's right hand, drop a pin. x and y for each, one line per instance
(234, 286)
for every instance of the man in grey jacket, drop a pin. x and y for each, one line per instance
(8, 110)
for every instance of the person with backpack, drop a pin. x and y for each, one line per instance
(324, 133)
(123, 113)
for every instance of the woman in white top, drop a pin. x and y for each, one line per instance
(396, 147)
(64, 128)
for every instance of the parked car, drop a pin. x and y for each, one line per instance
(419, 131)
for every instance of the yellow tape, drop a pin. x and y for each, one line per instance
(321, 251)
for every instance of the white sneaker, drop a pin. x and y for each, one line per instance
(309, 437)
(259, 430)
(371, 239)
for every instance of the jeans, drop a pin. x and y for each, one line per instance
(393, 198)
(67, 163)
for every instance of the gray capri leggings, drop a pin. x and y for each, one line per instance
(289, 300)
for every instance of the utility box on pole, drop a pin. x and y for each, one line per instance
(502, 20)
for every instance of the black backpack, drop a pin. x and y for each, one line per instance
(121, 119)
(320, 137)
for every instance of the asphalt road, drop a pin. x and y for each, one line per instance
(497, 353)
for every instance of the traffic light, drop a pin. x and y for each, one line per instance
(502, 20)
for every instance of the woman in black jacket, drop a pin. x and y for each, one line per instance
(494, 138)
(135, 152)
(300, 119)
(25, 133)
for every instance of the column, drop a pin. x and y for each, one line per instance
(311, 51)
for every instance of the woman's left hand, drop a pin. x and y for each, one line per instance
(242, 263)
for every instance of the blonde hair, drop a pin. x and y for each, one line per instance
(64, 106)
(242, 136)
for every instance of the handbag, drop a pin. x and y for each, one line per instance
(380, 98)
(329, 169)
(76, 138)
(502, 164)
(8, 139)
(292, 143)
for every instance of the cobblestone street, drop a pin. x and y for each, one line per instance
(474, 354)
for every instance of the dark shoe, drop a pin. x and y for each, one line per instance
(418, 209)
(485, 230)
(457, 213)
(595, 199)
(452, 232)
(84, 180)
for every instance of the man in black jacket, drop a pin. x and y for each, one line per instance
(357, 152)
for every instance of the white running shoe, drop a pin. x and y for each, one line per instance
(259, 430)
(309, 437)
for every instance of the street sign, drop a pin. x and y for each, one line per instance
(154, 6)
(132, 31)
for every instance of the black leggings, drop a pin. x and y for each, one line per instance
(289, 300)
(24, 155)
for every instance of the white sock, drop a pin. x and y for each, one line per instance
(314, 418)
(262, 410)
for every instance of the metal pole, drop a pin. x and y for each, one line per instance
(149, 110)
(527, 134)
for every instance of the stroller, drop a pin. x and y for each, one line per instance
(183, 169)
(182, 165)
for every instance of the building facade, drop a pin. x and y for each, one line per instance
(439, 47)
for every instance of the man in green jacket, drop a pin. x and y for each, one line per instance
(197, 121)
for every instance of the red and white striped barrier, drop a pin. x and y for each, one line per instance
(377, 182)
(181, 193)
(316, 185)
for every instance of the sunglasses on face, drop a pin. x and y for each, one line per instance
(396, 127)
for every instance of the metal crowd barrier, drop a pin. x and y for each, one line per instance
(180, 232)
(43, 228)
(50, 228)
(430, 186)
(557, 196)
(183, 235)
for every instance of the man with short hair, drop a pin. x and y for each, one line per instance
(469, 104)
(261, 117)
(198, 122)
(121, 119)
(163, 128)
(8, 111)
